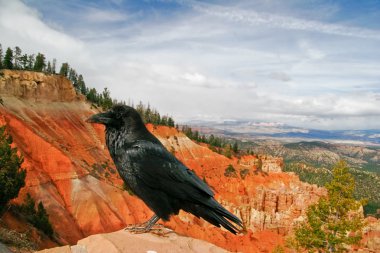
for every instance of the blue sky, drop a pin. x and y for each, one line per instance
(313, 64)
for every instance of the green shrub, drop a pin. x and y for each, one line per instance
(230, 171)
(38, 218)
(12, 177)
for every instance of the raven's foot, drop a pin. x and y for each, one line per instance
(157, 229)
(144, 227)
(137, 229)
(161, 231)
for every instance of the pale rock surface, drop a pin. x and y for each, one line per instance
(36, 86)
(124, 242)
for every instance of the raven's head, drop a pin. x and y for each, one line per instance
(117, 117)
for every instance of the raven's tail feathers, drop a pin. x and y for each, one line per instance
(218, 216)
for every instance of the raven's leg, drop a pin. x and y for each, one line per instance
(144, 227)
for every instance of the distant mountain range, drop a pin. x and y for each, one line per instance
(310, 153)
(259, 130)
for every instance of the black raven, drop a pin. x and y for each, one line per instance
(155, 175)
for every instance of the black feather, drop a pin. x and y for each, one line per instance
(154, 174)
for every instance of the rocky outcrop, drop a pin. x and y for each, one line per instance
(36, 86)
(371, 240)
(271, 164)
(125, 242)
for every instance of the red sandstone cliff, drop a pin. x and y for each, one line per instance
(70, 171)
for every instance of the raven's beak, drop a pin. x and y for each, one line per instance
(100, 118)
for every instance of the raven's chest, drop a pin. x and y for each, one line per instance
(128, 166)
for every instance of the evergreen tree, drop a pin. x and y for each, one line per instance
(53, 66)
(1, 56)
(39, 218)
(148, 115)
(73, 77)
(42, 220)
(140, 108)
(170, 122)
(17, 58)
(31, 60)
(196, 135)
(64, 71)
(164, 121)
(28, 206)
(235, 147)
(48, 68)
(92, 96)
(12, 177)
(156, 117)
(24, 62)
(8, 59)
(82, 86)
(334, 222)
(106, 99)
(39, 64)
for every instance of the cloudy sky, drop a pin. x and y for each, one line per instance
(308, 63)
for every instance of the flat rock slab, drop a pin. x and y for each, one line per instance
(123, 242)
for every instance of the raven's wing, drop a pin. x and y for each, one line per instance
(159, 169)
(166, 185)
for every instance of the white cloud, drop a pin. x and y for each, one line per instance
(281, 76)
(213, 61)
(21, 25)
(101, 16)
(252, 17)
(194, 77)
(313, 53)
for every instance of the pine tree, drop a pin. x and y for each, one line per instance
(48, 68)
(53, 66)
(235, 147)
(1, 56)
(106, 99)
(82, 86)
(92, 96)
(196, 135)
(24, 62)
(334, 222)
(28, 206)
(17, 58)
(42, 220)
(148, 115)
(39, 64)
(140, 109)
(31, 60)
(170, 122)
(38, 218)
(12, 177)
(8, 59)
(73, 77)
(164, 120)
(64, 71)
